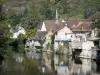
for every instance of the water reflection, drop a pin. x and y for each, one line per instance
(48, 64)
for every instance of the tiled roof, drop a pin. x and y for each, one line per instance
(79, 25)
(75, 25)
(40, 35)
(51, 25)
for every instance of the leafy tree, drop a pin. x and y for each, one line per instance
(52, 39)
(96, 25)
(21, 43)
(31, 33)
(4, 31)
(18, 44)
(3, 38)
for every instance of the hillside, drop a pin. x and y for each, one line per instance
(26, 12)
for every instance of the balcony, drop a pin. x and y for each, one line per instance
(62, 38)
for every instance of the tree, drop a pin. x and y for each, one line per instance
(31, 33)
(96, 25)
(3, 38)
(4, 32)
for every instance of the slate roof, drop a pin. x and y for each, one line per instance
(40, 35)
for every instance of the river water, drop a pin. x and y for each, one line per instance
(48, 64)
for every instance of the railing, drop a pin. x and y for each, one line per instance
(64, 38)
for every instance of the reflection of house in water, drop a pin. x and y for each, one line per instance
(64, 65)
(33, 55)
(62, 70)
(75, 66)
(18, 57)
(95, 67)
(86, 66)
(80, 67)
(47, 61)
(61, 64)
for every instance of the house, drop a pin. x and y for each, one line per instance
(80, 66)
(77, 34)
(73, 34)
(37, 39)
(45, 32)
(73, 30)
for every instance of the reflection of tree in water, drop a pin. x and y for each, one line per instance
(31, 67)
(27, 67)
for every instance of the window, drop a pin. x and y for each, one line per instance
(66, 34)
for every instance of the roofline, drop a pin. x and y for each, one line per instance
(81, 30)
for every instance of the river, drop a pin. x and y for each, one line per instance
(48, 64)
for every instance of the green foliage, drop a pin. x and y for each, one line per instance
(4, 31)
(52, 61)
(31, 67)
(31, 33)
(37, 11)
(21, 44)
(18, 44)
(3, 38)
(16, 19)
(96, 25)
(52, 39)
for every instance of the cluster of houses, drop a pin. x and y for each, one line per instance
(77, 33)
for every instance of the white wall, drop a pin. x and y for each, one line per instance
(86, 66)
(61, 33)
(43, 28)
(21, 30)
(86, 46)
